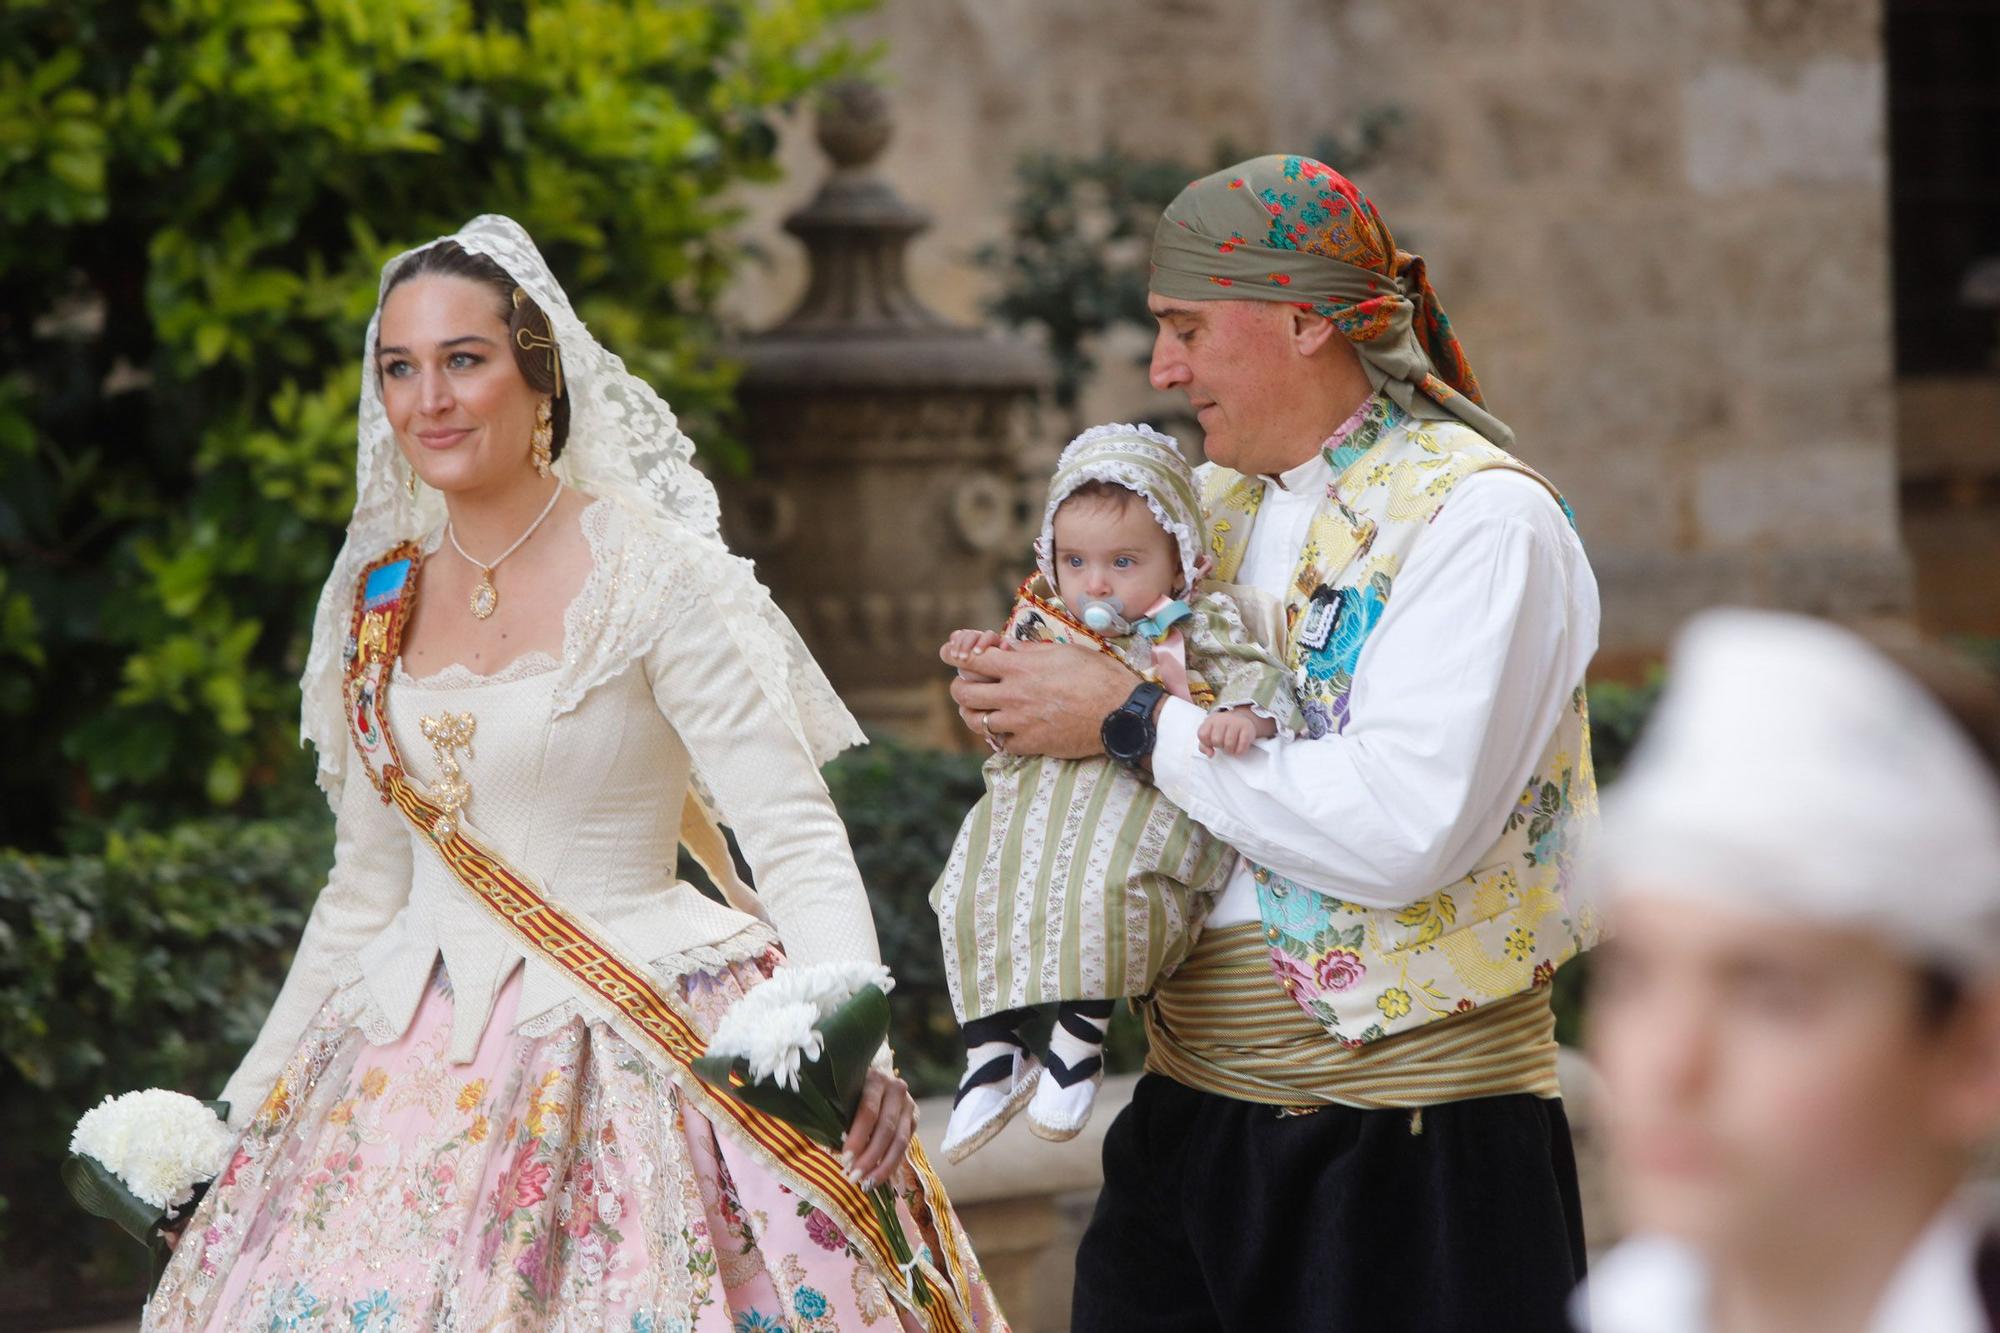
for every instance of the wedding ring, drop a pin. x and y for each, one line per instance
(986, 721)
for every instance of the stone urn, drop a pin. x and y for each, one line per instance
(895, 455)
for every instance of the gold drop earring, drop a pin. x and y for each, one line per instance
(542, 442)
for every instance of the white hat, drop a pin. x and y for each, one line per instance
(1792, 768)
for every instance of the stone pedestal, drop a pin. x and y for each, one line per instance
(890, 501)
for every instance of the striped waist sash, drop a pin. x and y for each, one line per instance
(1222, 1024)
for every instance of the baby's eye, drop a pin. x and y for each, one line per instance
(1123, 562)
(1073, 561)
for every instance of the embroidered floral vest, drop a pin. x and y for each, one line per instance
(1366, 972)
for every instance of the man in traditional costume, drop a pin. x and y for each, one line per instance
(1350, 1117)
(1798, 1017)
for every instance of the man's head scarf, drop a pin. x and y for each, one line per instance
(1287, 228)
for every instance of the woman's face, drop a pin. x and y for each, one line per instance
(1763, 1075)
(462, 413)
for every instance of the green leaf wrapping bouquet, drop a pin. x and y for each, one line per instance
(798, 1047)
(144, 1160)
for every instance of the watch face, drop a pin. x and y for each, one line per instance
(1125, 736)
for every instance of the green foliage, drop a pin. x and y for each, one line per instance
(195, 199)
(902, 807)
(150, 963)
(1080, 236)
(1618, 712)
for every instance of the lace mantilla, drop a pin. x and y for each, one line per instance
(625, 446)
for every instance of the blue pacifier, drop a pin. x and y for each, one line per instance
(1106, 615)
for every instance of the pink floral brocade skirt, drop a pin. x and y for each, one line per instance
(555, 1182)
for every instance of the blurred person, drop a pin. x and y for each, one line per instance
(1350, 1117)
(1797, 1015)
(535, 670)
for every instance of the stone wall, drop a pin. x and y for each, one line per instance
(1659, 225)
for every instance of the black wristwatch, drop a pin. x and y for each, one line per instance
(1128, 733)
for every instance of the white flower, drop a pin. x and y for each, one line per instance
(826, 986)
(160, 1144)
(773, 1038)
(776, 1025)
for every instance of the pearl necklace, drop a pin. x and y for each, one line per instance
(486, 598)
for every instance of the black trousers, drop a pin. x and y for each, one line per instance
(1223, 1214)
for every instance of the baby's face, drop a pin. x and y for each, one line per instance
(1111, 548)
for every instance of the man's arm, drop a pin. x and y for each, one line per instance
(1485, 637)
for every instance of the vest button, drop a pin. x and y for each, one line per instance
(1261, 875)
(1272, 934)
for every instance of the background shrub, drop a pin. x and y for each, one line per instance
(195, 199)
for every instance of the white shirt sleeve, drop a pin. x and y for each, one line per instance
(1486, 634)
(767, 789)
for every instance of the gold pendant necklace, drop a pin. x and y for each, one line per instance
(485, 597)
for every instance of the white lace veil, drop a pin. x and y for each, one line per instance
(623, 444)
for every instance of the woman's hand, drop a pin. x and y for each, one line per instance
(880, 1135)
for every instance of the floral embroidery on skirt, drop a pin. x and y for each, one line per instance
(556, 1181)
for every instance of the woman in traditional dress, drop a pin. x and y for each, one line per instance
(461, 1112)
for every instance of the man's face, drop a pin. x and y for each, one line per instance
(1763, 1075)
(1239, 366)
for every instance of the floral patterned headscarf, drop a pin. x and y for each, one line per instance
(1287, 228)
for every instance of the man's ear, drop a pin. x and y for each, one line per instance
(1310, 332)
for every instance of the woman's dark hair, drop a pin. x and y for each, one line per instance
(452, 260)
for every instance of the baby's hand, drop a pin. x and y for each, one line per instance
(962, 644)
(1232, 730)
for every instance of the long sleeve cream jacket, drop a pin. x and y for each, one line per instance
(579, 771)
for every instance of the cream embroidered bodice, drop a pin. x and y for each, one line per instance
(577, 770)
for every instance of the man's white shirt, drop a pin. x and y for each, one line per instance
(1485, 636)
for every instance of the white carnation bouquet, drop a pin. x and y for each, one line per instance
(144, 1160)
(798, 1047)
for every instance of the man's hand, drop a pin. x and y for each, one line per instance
(1039, 698)
(1232, 730)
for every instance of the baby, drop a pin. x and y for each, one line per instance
(1074, 882)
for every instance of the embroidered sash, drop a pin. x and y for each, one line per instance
(643, 1014)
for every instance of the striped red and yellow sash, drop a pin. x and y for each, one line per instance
(566, 939)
